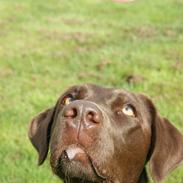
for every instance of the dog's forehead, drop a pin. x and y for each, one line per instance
(101, 93)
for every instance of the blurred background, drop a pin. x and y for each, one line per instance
(49, 45)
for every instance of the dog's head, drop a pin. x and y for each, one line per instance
(100, 134)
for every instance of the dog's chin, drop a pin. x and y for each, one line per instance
(74, 162)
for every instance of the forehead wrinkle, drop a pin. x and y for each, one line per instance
(89, 90)
(131, 96)
(121, 93)
(118, 91)
(112, 98)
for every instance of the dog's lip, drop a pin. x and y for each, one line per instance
(78, 153)
(74, 153)
(97, 171)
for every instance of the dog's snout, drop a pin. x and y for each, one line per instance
(83, 112)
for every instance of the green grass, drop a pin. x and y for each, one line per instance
(46, 46)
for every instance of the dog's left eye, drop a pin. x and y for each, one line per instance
(128, 110)
(68, 100)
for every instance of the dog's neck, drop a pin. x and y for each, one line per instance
(142, 179)
(76, 180)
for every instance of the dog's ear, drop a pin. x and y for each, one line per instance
(168, 149)
(39, 132)
(166, 146)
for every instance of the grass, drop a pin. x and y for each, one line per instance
(46, 46)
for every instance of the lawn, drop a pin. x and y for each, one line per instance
(48, 45)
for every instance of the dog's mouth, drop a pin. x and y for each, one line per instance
(75, 162)
(76, 154)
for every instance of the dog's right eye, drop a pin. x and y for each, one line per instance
(67, 100)
(128, 110)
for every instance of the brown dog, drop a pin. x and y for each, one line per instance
(99, 134)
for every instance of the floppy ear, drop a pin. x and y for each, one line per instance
(39, 132)
(166, 152)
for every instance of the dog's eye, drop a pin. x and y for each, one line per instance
(67, 100)
(128, 110)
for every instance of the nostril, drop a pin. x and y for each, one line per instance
(93, 116)
(72, 113)
(90, 115)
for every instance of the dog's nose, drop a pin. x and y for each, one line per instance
(83, 113)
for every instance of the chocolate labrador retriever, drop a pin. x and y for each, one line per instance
(106, 135)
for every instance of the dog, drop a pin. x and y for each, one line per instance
(106, 135)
